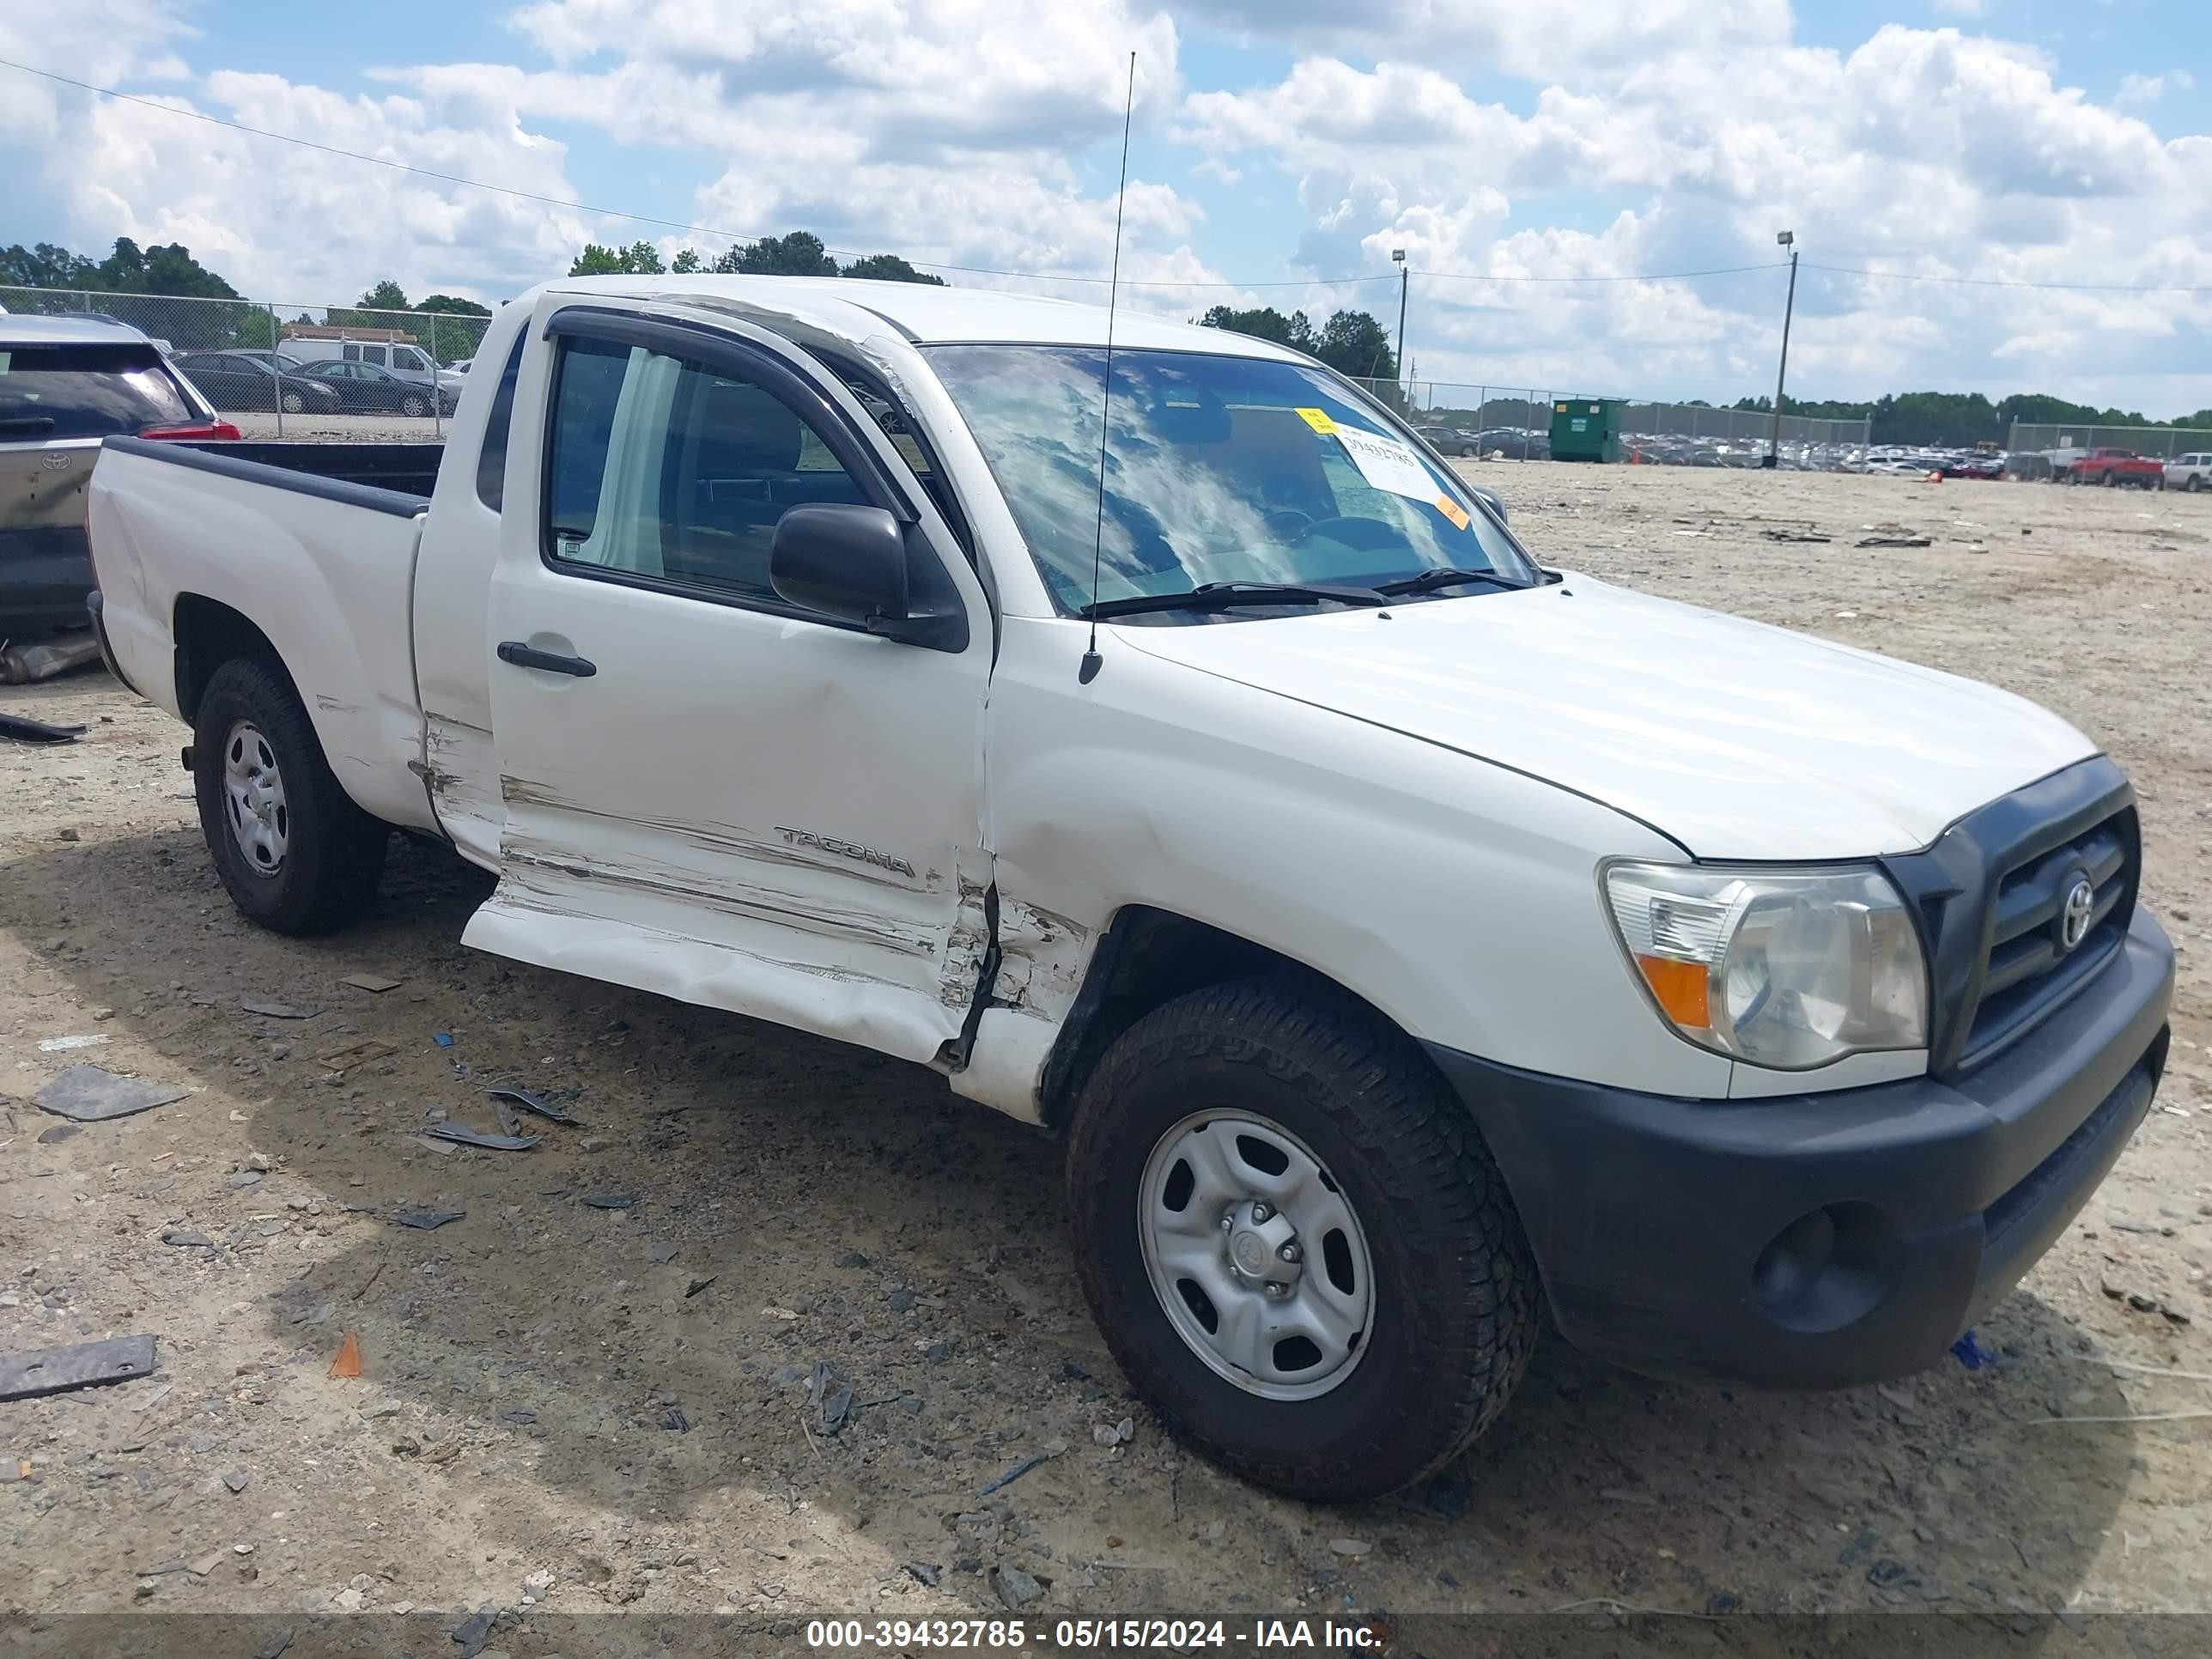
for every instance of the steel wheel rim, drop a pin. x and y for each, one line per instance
(1250, 1191)
(253, 801)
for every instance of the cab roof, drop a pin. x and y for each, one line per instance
(925, 314)
(19, 328)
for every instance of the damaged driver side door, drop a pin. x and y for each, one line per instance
(711, 792)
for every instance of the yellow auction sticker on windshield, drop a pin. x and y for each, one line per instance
(1318, 420)
(1452, 510)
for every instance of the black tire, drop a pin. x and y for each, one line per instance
(2195, 482)
(1455, 1291)
(333, 853)
(413, 406)
(293, 402)
(2109, 480)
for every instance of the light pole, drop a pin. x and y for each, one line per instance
(1786, 239)
(1398, 255)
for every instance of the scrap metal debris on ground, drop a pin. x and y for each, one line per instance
(467, 1137)
(22, 664)
(88, 1094)
(531, 1103)
(23, 729)
(85, 1365)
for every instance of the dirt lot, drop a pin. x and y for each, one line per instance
(596, 1408)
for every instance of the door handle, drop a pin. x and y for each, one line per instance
(527, 656)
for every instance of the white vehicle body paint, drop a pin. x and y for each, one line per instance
(840, 832)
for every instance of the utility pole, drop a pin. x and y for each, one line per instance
(1787, 239)
(1398, 255)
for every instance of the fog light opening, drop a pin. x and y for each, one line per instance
(1829, 1268)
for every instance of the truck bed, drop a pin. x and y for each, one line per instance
(311, 546)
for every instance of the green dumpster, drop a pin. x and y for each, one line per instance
(1585, 429)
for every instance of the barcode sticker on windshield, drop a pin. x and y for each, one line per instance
(1388, 464)
(1318, 420)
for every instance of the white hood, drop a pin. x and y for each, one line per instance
(1736, 739)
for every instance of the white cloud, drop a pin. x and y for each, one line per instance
(1536, 41)
(2137, 91)
(1494, 138)
(1922, 151)
(101, 41)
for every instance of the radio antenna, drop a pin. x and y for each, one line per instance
(1091, 662)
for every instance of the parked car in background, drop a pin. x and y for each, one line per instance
(1978, 465)
(1899, 466)
(1274, 829)
(65, 384)
(242, 379)
(461, 367)
(2111, 468)
(1452, 441)
(2191, 473)
(365, 389)
(399, 357)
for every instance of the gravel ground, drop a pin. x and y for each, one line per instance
(339, 428)
(565, 1408)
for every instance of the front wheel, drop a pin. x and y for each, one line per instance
(413, 407)
(2194, 484)
(293, 850)
(1295, 1241)
(293, 402)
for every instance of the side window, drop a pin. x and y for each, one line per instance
(351, 352)
(491, 459)
(663, 469)
(373, 355)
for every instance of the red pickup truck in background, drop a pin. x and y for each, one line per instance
(2111, 468)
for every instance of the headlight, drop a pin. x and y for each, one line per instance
(1786, 969)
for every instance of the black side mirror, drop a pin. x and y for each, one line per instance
(859, 564)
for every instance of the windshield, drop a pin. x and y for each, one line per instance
(1218, 469)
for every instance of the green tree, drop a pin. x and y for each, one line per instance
(1351, 342)
(387, 296)
(639, 259)
(1354, 344)
(450, 305)
(1265, 323)
(45, 266)
(889, 268)
(799, 254)
(686, 263)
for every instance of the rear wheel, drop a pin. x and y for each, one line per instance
(2109, 480)
(294, 852)
(1295, 1241)
(2194, 483)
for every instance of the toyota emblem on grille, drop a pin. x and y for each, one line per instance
(55, 461)
(2073, 915)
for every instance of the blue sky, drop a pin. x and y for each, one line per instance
(1281, 148)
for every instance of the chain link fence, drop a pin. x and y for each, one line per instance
(2060, 441)
(1509, 423)
(292, 371)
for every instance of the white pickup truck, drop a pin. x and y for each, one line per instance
(1406, 939)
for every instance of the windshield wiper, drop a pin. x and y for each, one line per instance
(1445, 576)
(1222, 596)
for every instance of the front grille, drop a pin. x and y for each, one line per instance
(2025, 971)
(1988, 892)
